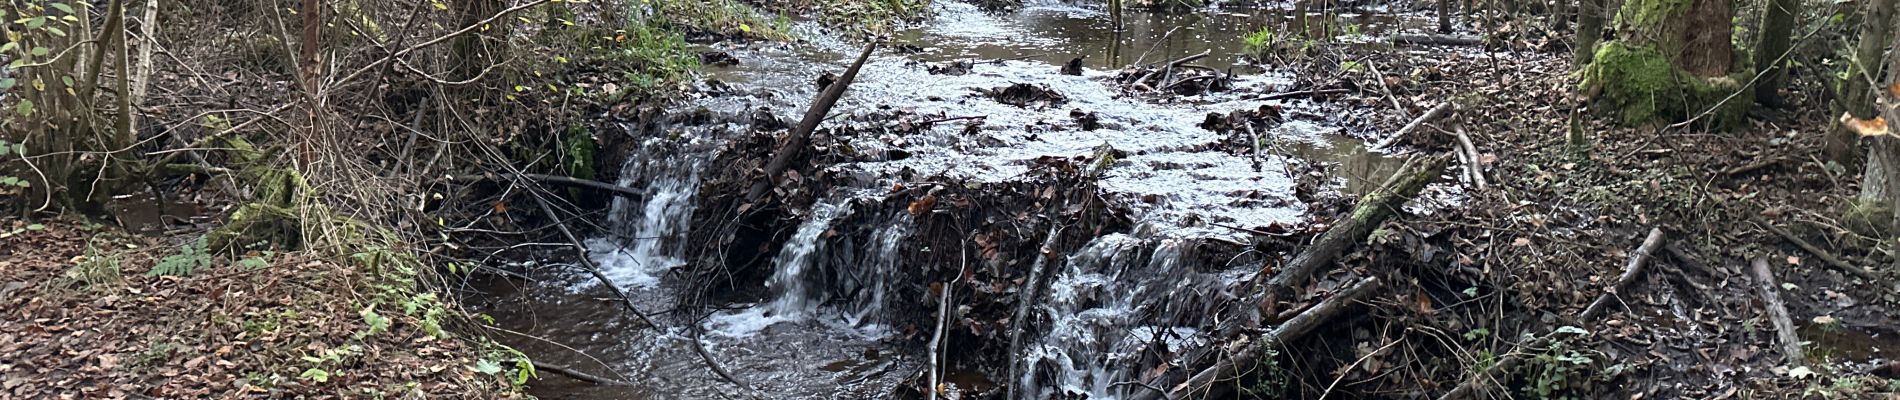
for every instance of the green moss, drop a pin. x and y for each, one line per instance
(1639, 84)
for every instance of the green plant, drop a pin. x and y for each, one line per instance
(95, 270)
(660, 55)
(1273, 378)
(324, 360)
(1558, 371)
(190, 258)
(1258, 40)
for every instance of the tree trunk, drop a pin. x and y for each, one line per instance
(1881, 182)
(1589, 30)
(1444, 16)
(1842, 145)
(1671, 60)
(1777, 24)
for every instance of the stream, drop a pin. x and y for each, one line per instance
(825, 329)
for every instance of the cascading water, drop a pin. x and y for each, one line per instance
(1102, 318)
(877, 270)
(789, 281)
(641, 252)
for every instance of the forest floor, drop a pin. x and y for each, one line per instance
(1559, 222)
(85, 317)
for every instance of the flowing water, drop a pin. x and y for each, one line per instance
(822, 330)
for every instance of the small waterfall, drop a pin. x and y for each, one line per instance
(1100, 308)
(878, 269)
(789, 278)
(641, 250)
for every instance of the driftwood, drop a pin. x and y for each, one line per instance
(1816, 251)
(1373, 209)
(1435, 39)
(1245, 354)
(801, 135)
(617, 190)
(1777, 312)
(1435, 113)
(1508, 365)
(1630, 272)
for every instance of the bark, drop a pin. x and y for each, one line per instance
(1777, 26)
(1589, 30)
(1444, 16)
(1881, 182)
(1705, 36)
(1842, 145)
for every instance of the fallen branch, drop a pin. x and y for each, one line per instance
(1436, 39)
(617, 190)
(1435, 113)
(1032, 294)
(1816, 251)
(1246, 354)
(801, 135)
(1302, 93)
(1169, 68)
(581, 250)
(1630, 271)
(700, 347)
(1477, 161)
(578, 375)
(1508, 364)
(1778, 312)
(1373, 209)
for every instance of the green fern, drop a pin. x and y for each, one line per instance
(190, 258)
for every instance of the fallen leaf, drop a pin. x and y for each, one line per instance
(923, 205)
(1521, 242)
(1794, 260)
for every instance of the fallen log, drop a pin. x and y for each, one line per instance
(1436, 39)
(1435, 113)
(1508, 364)
(1246, 354)
(1630, 272)
(1816, 251)
(1777, 312)
(801, 135)
(617, 190)
(1373, 209)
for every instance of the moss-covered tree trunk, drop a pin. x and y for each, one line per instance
(1842, 145)
(1777, 24)
(1670, 60)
